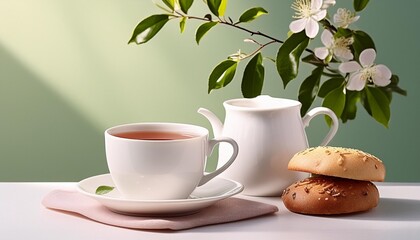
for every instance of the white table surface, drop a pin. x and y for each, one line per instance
(397, 217)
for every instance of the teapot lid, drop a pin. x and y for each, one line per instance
(262, 102)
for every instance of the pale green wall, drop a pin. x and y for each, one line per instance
(67, 73)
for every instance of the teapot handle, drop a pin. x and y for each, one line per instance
(323, 110)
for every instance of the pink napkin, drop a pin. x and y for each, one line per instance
(227, 210)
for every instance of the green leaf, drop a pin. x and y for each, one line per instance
(359, 5)
(288, 56)
(251, 14)
(312, 59)
(217, 7)
(202, 30)
(182, 24)
(185, 5)
(386, 91)
(148, 28)
(222, 74)
(335, 100)
(350, 108)
(343, 32)
(365, 102)
(222, 7)
(361, 41)
(169, 3)
(393, 86)
(330, 85)
(101, 190)
(309, 89)
(379, 105)
(253, 78)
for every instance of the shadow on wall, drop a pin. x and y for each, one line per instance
(43, 138)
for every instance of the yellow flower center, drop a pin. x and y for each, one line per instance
(343, 42)
(368, 73)
(302, 8)
(344, 17)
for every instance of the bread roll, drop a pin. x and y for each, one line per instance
(322, 195)
(339, 162)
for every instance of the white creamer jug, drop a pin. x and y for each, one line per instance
(269, 131)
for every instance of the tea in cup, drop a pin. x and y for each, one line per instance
(161, 161)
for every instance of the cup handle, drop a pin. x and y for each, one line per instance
(323, 110)
(211, 144)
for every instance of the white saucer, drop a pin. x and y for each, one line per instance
(202, 197)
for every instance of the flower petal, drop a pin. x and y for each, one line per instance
(382, 76)
(327, 38)
(347, 55)
(338, 16)
(354, 19)
(349, 67)
(298, 25)
(327, 3)
(356, 83)
(311, 28)
(318, 16)
(367, 57)
(321, 52)
(316, 4)
(343, 54)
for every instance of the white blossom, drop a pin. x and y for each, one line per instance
(327, 3)
(337, 47)
(344, 17)
(238, 56)
(309, 13)
(366, 71)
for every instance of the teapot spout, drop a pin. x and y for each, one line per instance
(216, 124)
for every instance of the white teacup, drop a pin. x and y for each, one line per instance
(161, 161)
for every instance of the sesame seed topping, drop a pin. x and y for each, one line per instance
(340, 161)
(336, 194)
(286, 191)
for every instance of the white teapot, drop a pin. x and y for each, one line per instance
(269, 131)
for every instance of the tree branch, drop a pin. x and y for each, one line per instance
(235, 25)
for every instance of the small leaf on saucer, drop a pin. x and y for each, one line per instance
(101, 190)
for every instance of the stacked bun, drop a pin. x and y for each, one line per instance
(340, 182)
